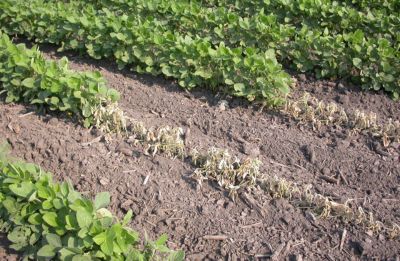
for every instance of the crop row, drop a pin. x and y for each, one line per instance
(152, 47)
(310, 110)
(233, 175)
(26, 76)
(336, 17)
(47, 220)
(327, 6)
(325, 37)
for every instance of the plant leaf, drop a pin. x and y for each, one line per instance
(47, 251)
(102, 200)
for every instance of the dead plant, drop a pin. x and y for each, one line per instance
(229, 172)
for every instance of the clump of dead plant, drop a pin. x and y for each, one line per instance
(109, 118)
(164, 139)
(390, 132)
(229, 172)
(309, 109)
(279, 187)
(324, 207)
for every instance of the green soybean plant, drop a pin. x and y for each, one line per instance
(26, 76)
(47, 220)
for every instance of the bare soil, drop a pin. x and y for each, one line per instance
(171, 201)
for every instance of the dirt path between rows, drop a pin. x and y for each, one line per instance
(171, 201)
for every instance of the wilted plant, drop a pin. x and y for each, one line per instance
(328, 208)
(279, 187)
(323, 206)
(362, 120)
(167, 140)
(308, 109)
(393, 231)
(391, 132)
(109, 118)
(230, 173)
(137, 131)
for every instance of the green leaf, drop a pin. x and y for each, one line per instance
(103, 212)
(47, 251)
(100, 238)
(270, 54)
(229, 82)
(37, 101)
(83, 233)
(73, 196)
(67, 253)
(51, 219)
(71, 222)
(55, 87)
(107, 246)
(16, 82)
(357, 62)
(28, 82)
(149, 61)
(167, 71)
(162, 240)
(54, 100)
(86, 111)
(54, 240)
(176, 256)
(74, 43)
(203, 73)
(113, 95)
(127, 217)
(74, 242)
(47, 205)
(17, 235)
(35, 219)
(239, 87)
(388, 78)
(84, 218)
(57, 203)
(34, 238)
(102, 200)
(24, 189)
(77, 94)
(81, 258)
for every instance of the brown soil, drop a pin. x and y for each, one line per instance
(171, 202)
